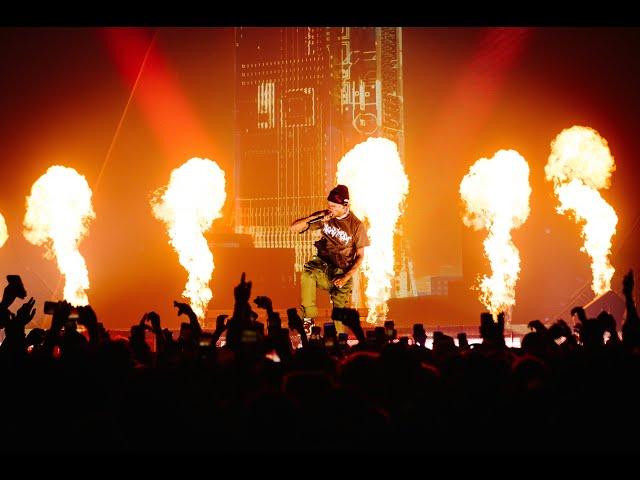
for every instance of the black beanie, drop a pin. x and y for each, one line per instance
(340, 195)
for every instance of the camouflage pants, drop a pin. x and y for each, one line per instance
(319, 274)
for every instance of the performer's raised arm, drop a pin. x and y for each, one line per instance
(313, 221)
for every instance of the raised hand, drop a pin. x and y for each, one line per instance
(145, 323)
(294, 321)
(340, 280)
(608, 323)
(627, 283)
(420, 336)
(60, 315)
(351, 319)
(327, 216)
(87, 317)
(579, 311)
(11, 292)
(537, 325)
(242, 292)
(220, 322)
(264, 302)
(184, 308)
(631, 325)
(26, 312)
(154, 319)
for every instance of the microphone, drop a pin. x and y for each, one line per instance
(318, 219)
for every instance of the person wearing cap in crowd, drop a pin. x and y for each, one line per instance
(340, 252)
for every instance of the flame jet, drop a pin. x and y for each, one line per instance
(4, 233)
(378, 186)
(579, 165)
(188, 205)
(59, 211)
(496, 195)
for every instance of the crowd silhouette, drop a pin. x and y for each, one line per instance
(570, 386)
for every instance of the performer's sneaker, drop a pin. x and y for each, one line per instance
(307, 323)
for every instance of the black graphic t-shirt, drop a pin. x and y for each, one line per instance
(341, 240)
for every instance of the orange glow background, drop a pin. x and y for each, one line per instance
(468, 93)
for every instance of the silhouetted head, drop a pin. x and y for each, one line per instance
(35, 337)
(535, 343)
(136, 334)
(487, 325)
(529, 372)
(361, 371)
(490, 330)
(591, 332)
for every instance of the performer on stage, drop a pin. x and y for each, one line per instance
(340, 252)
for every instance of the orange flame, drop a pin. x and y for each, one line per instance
(4, 233)
(580, 163)
(188, 206)
(496, 194)
(58, 214)
(378, 187)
